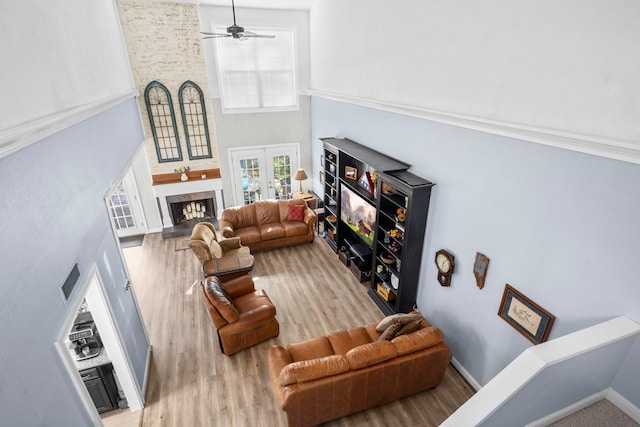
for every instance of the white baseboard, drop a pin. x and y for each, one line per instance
(565, 412)
(465, 374)
(611, 395)
(624, 405)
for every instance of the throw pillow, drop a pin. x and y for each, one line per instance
(409, 328)
(391, 331)
(296, 213)
(402, 317)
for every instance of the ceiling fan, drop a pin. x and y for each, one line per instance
(236, 31)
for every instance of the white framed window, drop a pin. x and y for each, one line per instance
(257, 75)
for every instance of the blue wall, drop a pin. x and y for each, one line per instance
(54, 215)
(560, 226)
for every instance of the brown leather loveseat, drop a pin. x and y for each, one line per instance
(269, 224)
(325, 378)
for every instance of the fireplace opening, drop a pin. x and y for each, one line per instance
(192, 208)
(187, 211)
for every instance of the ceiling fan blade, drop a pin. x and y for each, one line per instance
(215, 36)
(260, 36)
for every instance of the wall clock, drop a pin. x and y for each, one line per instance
(445, 263)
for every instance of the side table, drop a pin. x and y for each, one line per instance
(320, 214)
(228, 267)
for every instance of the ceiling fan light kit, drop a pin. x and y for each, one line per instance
(236, 31)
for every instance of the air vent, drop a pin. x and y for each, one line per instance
(71, 281)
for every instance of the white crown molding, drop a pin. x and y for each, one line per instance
(626, 151)
(21, 136)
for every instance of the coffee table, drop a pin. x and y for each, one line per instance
(228, 267)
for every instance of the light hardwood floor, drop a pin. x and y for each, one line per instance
(192, 383)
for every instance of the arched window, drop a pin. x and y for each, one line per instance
(163, 122)
(194, 119)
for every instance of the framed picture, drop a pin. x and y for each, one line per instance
(351, 172)
(366, 183)
(527, 317)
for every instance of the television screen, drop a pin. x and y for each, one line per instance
(358, 214)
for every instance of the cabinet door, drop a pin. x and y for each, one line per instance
(99, 395)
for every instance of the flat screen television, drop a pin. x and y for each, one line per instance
(358, 214)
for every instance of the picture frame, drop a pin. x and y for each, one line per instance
(525, 316)
(351, 173)
(366, 183)
(480, 267)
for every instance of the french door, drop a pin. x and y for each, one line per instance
(124, 208)
(263, 172)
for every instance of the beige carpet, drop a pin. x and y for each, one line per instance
(182, 243)
(600, 414)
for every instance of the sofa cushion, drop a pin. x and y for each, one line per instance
(248, 235)
(240, 216)
(310, 349)
(294, 228)
(391, 331)
(215, 249)
(271, 231)
(343, 341)
(266, 212)
(370, 354)
(402, 317)
(220, 299)
(296, 213)
(309, 370)
(418, 340)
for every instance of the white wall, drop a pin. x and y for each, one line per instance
(60, 59)
(562, 73)
(559, 226)
(241, 130)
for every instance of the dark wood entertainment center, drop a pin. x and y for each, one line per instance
(375, 218)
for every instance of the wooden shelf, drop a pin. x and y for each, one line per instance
(409, 192)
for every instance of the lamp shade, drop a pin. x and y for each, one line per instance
(300, 175)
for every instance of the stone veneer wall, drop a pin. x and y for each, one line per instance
(164, 44)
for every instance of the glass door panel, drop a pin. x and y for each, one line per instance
(263, 173)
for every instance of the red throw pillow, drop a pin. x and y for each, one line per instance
(296, 213)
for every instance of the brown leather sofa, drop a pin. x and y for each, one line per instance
(243, 315)
(206, 245)
(266, 224)
(325, 378)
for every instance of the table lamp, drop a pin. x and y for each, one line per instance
(300, 175)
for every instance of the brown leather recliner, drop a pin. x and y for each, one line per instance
(205, 244)
(243, 315)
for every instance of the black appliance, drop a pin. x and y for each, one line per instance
(84, 337)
